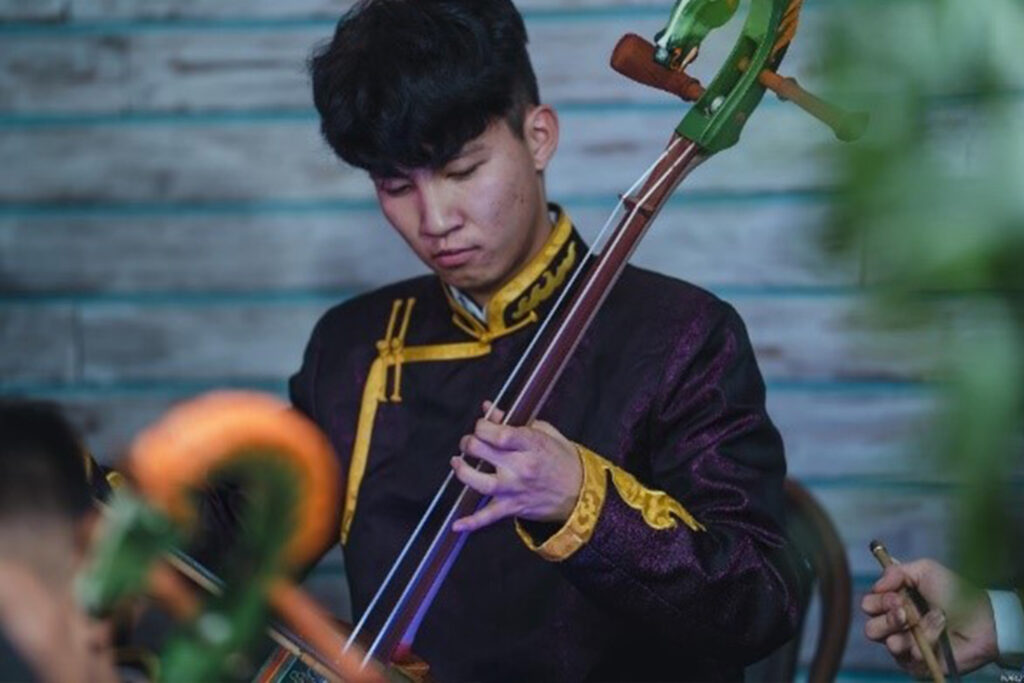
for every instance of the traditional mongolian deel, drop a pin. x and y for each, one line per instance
(672, 561)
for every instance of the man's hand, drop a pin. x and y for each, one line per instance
(971, 623)
(537, 474)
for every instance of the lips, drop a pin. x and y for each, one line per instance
(453, 258)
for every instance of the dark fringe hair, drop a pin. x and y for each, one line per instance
(407, 83)
(42, 465)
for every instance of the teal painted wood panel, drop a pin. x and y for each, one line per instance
(38, 343)
(34, 10)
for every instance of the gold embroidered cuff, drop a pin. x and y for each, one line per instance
(658, 509)
(578, 529)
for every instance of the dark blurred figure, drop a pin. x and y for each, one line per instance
(46, 514)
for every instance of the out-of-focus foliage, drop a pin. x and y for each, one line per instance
(932, 204)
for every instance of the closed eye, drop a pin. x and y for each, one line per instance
(461, 174)
(394, 188)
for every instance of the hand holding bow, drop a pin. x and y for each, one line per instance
(535, 472)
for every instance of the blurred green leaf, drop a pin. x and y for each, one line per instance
(930, 204)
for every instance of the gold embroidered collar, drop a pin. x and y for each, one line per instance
(515, 305)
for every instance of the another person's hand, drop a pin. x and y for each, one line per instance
(957, 605)
(537, 474)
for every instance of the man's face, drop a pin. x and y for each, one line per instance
(479, 219)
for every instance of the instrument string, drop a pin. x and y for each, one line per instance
(618, 236)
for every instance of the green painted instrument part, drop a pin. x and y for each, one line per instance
(213, 646)
(688, 25)
(718, 117)
(135, 536)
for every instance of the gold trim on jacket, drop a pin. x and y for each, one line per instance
(658, 509)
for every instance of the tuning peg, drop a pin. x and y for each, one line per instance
(633, 57)
(848, 126)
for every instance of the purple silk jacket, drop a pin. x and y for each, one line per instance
(673, 565)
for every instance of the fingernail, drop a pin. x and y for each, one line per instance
(940, 620)
(901, 616)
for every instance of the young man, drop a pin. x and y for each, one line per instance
(634, 532)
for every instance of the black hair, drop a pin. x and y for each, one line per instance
(407, 83)
(42, 465)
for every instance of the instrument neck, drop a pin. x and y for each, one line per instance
(572, 320)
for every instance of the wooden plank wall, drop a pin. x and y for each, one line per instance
(170, 222)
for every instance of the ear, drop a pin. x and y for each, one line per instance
(85, 531)
(540, 130)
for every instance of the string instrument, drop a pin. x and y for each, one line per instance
(714, 123)
(289, 474)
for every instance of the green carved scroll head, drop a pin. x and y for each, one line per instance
(676, 45)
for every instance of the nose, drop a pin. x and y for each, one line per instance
(438, 216)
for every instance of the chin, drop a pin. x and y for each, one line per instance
(464, 281)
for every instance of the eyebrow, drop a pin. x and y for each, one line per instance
(470, 149)
(397, 175)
